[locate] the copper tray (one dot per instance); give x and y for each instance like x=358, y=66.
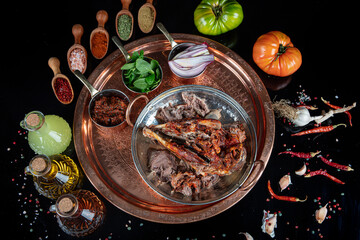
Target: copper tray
x=105, y=156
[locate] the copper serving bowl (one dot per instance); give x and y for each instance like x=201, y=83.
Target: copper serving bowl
x=231, y=112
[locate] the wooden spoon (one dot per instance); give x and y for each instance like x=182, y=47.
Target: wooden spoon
x=77, y=31
x=101, y=17
x=140, y=20
x=125, y=10
x=54, y=64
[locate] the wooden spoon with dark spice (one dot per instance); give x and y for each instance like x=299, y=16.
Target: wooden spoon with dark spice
x=123, y=22
x=99, y=37
x=60, y=83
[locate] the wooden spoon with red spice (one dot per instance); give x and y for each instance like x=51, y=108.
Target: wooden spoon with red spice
x=60, y=83
x=99, y=38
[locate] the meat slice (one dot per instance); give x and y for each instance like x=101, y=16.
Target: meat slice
x=186, y=183
x=209, y=180
x=162, y=163
x=196, y=103
x=194, y=107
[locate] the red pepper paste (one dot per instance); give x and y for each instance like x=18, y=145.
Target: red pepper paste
x=109, y=111
x=63, y=90
x=99, y=45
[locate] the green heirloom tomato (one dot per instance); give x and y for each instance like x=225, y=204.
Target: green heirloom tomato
x=215, y=17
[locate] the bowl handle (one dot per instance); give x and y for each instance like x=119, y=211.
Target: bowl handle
x=128, y=109
x=254, y=176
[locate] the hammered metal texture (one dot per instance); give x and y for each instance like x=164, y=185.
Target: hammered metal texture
x=105, y=155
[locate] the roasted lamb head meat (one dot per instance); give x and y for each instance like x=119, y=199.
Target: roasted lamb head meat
x=202, y=143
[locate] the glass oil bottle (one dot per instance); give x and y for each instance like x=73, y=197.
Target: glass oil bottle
x=48, y=134
x=79, y=213
x=54, y=175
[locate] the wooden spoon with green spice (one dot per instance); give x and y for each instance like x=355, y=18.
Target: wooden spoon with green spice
x=124, y=21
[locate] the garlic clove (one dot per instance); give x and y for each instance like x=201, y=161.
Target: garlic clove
x=269, y=223
x=320, y=214
x=284, y=182
x=301, y=171
x=247, y=235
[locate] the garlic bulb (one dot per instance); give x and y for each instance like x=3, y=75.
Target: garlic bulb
x=300, y=116
x=303, y=117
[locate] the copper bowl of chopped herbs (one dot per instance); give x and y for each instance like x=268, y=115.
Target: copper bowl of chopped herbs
x=141, y=74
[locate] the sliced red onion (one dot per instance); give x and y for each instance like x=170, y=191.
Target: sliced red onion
x=193, y=50
x=194, y=53
x=188, y=72
x=192, y=61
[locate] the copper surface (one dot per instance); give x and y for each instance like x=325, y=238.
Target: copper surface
x=105, y=156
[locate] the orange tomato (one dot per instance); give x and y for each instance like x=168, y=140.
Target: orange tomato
x=274, y=53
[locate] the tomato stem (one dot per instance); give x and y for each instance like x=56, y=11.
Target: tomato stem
x=282, y=49
x=217, y=10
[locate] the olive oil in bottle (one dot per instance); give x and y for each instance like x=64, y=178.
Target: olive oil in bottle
x=54, y=175
x=79, y=213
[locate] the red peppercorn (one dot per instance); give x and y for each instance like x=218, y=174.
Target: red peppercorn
x=63, y=90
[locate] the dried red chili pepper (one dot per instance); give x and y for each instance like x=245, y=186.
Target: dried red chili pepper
x=335, y=165
x=301, y=154
x=324, y=173
x=318, y=130
x=337, y=107
x=283, y=198
x=306, y=106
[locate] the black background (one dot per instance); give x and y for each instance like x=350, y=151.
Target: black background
x=324, y=32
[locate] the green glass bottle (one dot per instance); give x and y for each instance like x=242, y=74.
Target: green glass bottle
x=48, y=134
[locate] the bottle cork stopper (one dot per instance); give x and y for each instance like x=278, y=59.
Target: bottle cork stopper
x=38, y=164
x=32, y=120
x=65, y=205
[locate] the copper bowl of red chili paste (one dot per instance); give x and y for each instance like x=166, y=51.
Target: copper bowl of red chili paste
x=108, y=108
